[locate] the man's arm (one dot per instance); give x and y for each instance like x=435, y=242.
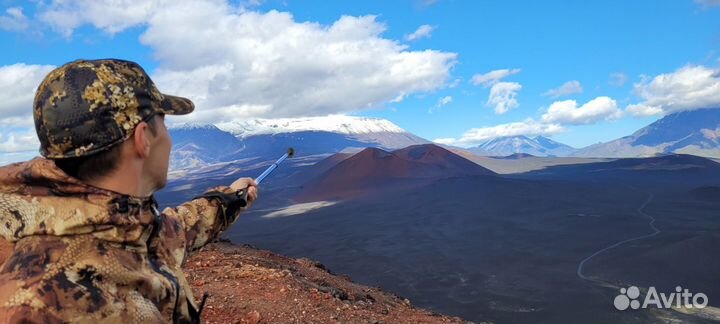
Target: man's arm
x=205, y=217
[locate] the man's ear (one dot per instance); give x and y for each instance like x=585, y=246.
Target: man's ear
x=141, y=140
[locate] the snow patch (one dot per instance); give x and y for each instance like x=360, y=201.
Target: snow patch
x=299, y=209
x=192, y=126
x=333, y=123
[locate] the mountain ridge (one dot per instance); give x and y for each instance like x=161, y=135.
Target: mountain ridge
x=341, y=124
x=695, y=132
x=198, y=145
x=521, y=144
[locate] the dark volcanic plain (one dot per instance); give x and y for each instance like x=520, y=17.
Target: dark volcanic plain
x=499, y=248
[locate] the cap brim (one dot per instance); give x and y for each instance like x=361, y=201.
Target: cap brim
x=173, y=105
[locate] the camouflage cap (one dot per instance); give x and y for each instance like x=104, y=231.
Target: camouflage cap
x=88, y=106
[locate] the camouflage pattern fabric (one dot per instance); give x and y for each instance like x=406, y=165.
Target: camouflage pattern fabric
x=85, y=107
x=87, y=255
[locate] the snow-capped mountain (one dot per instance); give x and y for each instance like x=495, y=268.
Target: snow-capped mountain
x=196, y=145
x=340, y=124
x=694, y=132
x=265, y=139
x=319, y=135
x=537, y=146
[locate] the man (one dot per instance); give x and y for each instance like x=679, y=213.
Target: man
x=89, y=245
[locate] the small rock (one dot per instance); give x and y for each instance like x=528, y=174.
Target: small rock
x=254, y=317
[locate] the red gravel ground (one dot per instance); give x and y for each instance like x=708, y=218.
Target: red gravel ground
x=252, y=286
x=247, y=285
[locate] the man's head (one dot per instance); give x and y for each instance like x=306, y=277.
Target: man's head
x=103, y=117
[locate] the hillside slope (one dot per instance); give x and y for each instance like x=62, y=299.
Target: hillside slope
x=694, y=132
x=248, y=285
x=373, y=168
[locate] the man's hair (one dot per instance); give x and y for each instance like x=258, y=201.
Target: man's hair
x=98, y=165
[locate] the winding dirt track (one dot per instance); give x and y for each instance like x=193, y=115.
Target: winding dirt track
x=641, y=212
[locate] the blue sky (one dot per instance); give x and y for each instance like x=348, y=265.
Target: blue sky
x=614, y=50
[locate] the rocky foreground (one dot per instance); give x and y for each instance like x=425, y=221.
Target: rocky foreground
x=248, y=285
x=251, y=286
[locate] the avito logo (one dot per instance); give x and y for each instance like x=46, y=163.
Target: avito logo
x=630, y=298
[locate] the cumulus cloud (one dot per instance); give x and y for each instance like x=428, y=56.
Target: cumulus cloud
x=424, y=31
x=19, y=141
x=292, y=69
x=567, y=112
x=567, y=88
x=528, y=127
x=18, y=83
x=503, y=95
x=490, y=78
x=14, y=20
x=441, y=103
x=618, y=79
x=18, y=144
x=688, y=88
x=553, y=121
x=111, y=16
x=238, y=64
x=641, y=110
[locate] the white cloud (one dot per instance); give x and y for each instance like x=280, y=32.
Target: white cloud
x=688, y=88
x=641, y=110
x=445, y=100
x=708, y=3
x=711, y=134
x=560, y=114
x=18, y=83
x=445, y=141
x=618, y=79
x=567, y=88
x=238, y=64
x=427, y=3
x=441, y=103
x=293, y=69
x=253, y=3
x=245, y=64
x=503, y=96
x=568, y=112
x=424, y=31
x=19, y=141
x=14, y=20
x=490, y=78
x=528, y=127
x=112, y=16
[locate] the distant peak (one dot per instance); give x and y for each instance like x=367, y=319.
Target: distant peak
x=374, y=152
x=517, y=156
x=193, y=126
x=424, y=148
x=333, y=123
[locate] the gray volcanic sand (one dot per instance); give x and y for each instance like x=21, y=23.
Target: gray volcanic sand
x=507, y=250
x=504, y=249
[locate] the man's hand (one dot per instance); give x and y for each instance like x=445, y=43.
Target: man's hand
x=251, y=186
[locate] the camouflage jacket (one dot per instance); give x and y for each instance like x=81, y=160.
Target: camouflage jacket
x=87, y=255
